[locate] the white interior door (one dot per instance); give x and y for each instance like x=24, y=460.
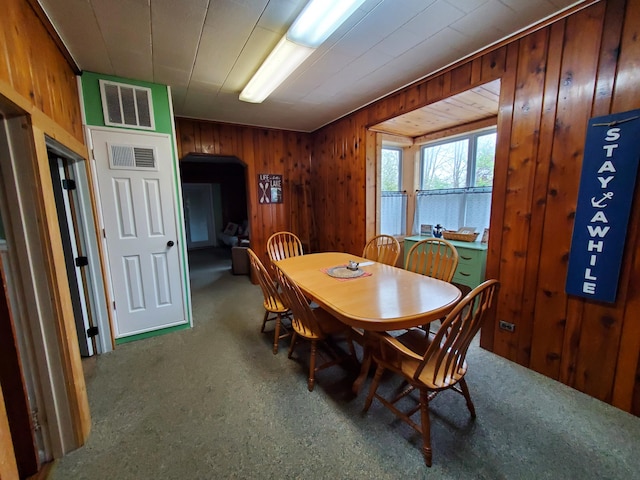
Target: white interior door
x=138, y=203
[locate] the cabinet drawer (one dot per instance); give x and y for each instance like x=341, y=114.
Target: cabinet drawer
x=471, y=277
x=471, y=266
x=470, y=257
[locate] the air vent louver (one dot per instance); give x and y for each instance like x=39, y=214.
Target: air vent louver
x=126, y=105
x=127, y=157
x=144, y=157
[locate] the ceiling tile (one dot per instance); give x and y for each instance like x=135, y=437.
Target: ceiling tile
x=78, y=27
x=206, y=50
x=279, y=15
x=469, y=6
x=433, y=19
x=176, y=29
x=257, y=48
x=171, y=76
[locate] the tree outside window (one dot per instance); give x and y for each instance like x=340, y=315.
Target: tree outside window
x=393, y=201
x=390, y=169
x=456, y=181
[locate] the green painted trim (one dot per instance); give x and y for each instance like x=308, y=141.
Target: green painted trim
x=93, y=102
x=155, y=333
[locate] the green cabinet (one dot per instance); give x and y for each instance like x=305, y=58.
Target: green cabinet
x=472, y=258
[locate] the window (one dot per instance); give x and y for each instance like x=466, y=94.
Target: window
x=393, y=201
x=456, y=177
x=391, y=169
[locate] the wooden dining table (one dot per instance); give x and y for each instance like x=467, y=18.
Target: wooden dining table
x=384, y=298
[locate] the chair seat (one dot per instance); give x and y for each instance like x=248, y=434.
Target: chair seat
x=431, y=363
x=275, y=305
x=418, y=340
x=314, y=324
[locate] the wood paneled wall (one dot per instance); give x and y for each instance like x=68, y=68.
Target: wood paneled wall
x=263, y=151
x=32, y=64
x=38, y=85
x=552, y=81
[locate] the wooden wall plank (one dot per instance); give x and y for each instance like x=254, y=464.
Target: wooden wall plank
x=626, y=391
x=461, y=78
x=527, y=111
x=545, y=333
x=547, y=96
x=493, y=64
x=580, y=60
x=36, y=69
x=262, y=150
x=500, y=182
x=601, y=328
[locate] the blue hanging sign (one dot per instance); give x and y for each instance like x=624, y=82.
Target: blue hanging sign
x=609, y=168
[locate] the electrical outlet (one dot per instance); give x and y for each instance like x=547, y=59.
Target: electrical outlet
x=509, y=327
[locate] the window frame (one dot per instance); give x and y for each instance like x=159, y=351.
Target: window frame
x=472, y=149
x=470, y=188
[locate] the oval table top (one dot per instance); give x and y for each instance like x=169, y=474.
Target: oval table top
x=384, y=298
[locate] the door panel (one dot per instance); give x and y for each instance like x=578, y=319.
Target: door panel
x=137, y=199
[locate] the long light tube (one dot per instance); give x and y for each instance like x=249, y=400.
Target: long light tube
x=280, y=63
x=318, y=20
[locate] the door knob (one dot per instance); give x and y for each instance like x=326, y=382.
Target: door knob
x=170, y=243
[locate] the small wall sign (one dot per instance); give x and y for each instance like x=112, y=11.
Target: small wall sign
x=269, y=188
x=609, y=169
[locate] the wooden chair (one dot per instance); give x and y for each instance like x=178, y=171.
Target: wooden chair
x=433, y=257
x=274, y=304
x=283, y=245
x=383, y=249
x=313, y=324
x=432, y=363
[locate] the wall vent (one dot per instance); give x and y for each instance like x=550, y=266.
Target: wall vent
x=126, y=105
x=129, y=157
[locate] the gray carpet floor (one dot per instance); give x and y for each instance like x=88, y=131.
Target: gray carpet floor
x=213, y=402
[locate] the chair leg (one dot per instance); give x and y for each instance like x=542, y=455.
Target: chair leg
x=294, y=337
x=264, y=320
x=352, y=348
x=312, y=366
x=374, y=387
x=467, y=396
x=426, y=426
x=276, y=335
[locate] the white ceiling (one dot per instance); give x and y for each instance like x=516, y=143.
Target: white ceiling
x=207, y=50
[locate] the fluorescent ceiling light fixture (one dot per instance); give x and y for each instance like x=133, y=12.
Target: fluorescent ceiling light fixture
x=280, y=63
x=319, y=19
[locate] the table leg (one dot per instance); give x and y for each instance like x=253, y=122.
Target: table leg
x=364, y=370
x=369, y=342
